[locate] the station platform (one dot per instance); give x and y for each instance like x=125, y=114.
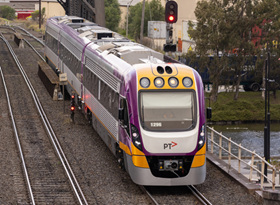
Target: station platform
x=264, y=195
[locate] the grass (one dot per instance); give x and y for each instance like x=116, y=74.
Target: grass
x=29, y=24
x=249, y=107
x=4, y=21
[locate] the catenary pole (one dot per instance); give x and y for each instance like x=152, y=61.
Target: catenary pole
x=100, y=12
x=40, y=17
x=128, y=5
x=142, y=22
x=265, y=127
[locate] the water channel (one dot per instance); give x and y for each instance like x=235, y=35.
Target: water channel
x=251, y=136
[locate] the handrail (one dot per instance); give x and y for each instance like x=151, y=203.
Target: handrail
x=230, y=143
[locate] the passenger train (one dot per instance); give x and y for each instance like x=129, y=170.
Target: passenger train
x=150, y=114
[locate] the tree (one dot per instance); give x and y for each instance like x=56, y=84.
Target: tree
x=211, y=37
x=35, y=15
x=112, y=14
x=7, y=12
x=267, y=39
x=154, y=11
x=240, y=21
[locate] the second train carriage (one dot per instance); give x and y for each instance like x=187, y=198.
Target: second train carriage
x=149, y=113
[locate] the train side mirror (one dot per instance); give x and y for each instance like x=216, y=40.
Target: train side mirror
x=209, y=113
x=121, y=114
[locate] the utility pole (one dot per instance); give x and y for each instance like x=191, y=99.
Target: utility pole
x=40, y=14
x=99, y=12
x=267, y=113
x=128, y=5
x=142, y=22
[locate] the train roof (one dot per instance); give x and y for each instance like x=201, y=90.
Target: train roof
x=110, y=42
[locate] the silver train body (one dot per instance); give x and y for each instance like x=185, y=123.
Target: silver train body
x=149, y=113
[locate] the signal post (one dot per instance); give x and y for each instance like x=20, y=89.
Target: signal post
x=171, y=16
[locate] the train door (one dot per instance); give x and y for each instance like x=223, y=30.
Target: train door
x=124, y=119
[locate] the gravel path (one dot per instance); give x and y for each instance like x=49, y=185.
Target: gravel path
x=94, y=165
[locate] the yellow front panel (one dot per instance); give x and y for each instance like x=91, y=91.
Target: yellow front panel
x=136, y=151
x=140, y=161
x=125, y=148
x=202, y=150
x=198, y=160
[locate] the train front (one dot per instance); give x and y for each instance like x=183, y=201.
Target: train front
x=167, y=126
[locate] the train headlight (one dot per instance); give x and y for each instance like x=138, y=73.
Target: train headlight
x=136, y=137
x=145, y=82
x=187, y=82
x=159, y=82
x=173, y=82
x=201, y=137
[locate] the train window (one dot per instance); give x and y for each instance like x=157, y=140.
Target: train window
x=125, y=121
x=160, y=112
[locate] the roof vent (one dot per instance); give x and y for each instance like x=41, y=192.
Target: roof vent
x=77, y=20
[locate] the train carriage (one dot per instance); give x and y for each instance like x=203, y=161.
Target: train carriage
x=149, y=113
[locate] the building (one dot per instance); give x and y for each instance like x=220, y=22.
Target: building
x=53, y=8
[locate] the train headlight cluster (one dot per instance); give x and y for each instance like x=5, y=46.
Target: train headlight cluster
x=145, y=82
x=136, y=137
x=187, y=82
x=201, y=137
x=173, y=82
x=159, y=82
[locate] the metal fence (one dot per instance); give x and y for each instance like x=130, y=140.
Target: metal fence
x=225, y=144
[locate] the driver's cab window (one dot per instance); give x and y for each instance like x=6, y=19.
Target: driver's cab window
x=125, y=121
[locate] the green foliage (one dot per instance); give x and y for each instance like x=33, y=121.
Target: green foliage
x=237, y=32
x=7, y=12
x=250, y=107
x=35, y=15
x=112, y=14
x=154, y=11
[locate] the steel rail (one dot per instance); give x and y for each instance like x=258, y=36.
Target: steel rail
x=148, y=193
x=29, y=34
x=50, y=131
x=198, y=195
x=34, y=50
x=18, y=142
x=8, y=27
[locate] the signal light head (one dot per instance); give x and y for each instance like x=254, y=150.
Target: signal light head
x=171, y=12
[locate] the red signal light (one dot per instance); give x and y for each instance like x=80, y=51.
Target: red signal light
x=171, y=18
x=73, y=96
x=72, y=108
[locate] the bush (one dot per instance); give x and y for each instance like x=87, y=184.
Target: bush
x=7, y=12
x=35, y=15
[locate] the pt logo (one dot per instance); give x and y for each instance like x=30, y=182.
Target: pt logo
x=169, y=145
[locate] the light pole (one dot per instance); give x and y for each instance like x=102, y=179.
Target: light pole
x=142, y=22
x=128, y=5
x=267, y=114
x=40, y=14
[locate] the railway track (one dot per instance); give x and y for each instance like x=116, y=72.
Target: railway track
x=186, y=199
x=198, y=195
x=48, y=175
